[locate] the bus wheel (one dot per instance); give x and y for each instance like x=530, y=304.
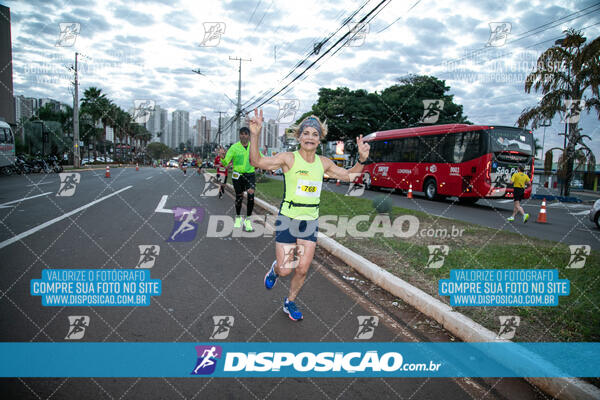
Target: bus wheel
x=430, y=189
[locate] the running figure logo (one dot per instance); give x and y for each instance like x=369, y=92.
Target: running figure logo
x=579, y=253
x=499, y=32
x=508, y=326
x=68, y=183
x=355, y=189
x=77, y=325
x=573, y=110
x=431, y=111
x=287, y=110
x=211, y=185
x=186, y=224
x=148, y=255
x=142, y=110
x=212, y=34
x=500, y=182
x=358, y=34
x=207, y=359
x=292, y=254
x=68, y=34
x=437, y=255
x=223, y=324
x=366, y=326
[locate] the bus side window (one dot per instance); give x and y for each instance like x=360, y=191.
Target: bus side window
x=375, y=152
x=397, y=150
x=387, y=152
x=459, y=147
x=445, y=148
x=410, y=152
x=473, y=145
x=428, y=150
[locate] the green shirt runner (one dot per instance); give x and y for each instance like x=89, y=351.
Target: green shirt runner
x=240, y=157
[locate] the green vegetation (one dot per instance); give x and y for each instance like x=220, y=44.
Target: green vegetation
x=576, y=318
x=350, y=113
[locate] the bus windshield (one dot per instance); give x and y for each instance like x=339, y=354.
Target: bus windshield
x=511, y=139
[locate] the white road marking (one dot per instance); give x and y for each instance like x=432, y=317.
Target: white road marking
x=52, y=221
x=148, y=177
x=505, y=201
x=584, y=212
x=23, y=199
x=563, y=205
x=161, y=206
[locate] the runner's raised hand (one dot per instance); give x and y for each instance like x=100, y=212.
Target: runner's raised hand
x=256, y=122
x=363, y=149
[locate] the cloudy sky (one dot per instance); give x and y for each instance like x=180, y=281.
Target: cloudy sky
x=147, y=50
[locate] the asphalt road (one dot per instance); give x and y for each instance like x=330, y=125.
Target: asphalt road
x=202, y=278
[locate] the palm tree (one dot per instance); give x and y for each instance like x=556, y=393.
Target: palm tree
x=94, y=104
x=565, y=72
x=122, y=122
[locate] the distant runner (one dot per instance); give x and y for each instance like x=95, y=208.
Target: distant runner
x=520, y=181
x=221, y=170
x=297, y=222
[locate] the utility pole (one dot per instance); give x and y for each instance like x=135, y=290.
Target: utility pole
x=219, y=129
x=238, y=113
x=76, y=158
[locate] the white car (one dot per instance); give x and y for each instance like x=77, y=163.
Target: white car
x=173, y=163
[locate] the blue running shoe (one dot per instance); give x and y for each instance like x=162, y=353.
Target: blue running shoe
x=271, y=277
x=289, y=307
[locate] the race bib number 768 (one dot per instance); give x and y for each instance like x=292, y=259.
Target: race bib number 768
x=308, y=188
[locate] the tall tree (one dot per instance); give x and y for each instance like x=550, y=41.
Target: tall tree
x=95, y=105
x=565, y=73
x=350, y=113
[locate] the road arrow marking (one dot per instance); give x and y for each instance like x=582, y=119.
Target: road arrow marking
x=160, y=208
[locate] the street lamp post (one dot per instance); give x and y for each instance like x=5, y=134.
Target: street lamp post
x=545, y=124
x=76, y=155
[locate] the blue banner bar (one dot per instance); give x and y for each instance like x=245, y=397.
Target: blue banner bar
x=325, y=360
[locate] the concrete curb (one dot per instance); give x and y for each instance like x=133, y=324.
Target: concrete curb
x=459, y=325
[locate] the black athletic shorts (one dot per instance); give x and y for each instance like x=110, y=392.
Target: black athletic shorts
x=518, y=194
x=222, y=178
x=243, y=182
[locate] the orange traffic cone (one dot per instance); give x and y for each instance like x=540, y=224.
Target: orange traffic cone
x=542, y=215
x=137, y=168
x=337, y=183
x=409, y=195
x=107, y=172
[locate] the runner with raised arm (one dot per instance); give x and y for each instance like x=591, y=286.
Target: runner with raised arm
x=297, y=222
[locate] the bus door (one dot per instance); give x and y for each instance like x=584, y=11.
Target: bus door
x=381, y=174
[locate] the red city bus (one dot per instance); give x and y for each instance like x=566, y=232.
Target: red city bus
x=466, y=161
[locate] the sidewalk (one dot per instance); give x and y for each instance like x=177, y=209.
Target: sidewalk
x=542, y=192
